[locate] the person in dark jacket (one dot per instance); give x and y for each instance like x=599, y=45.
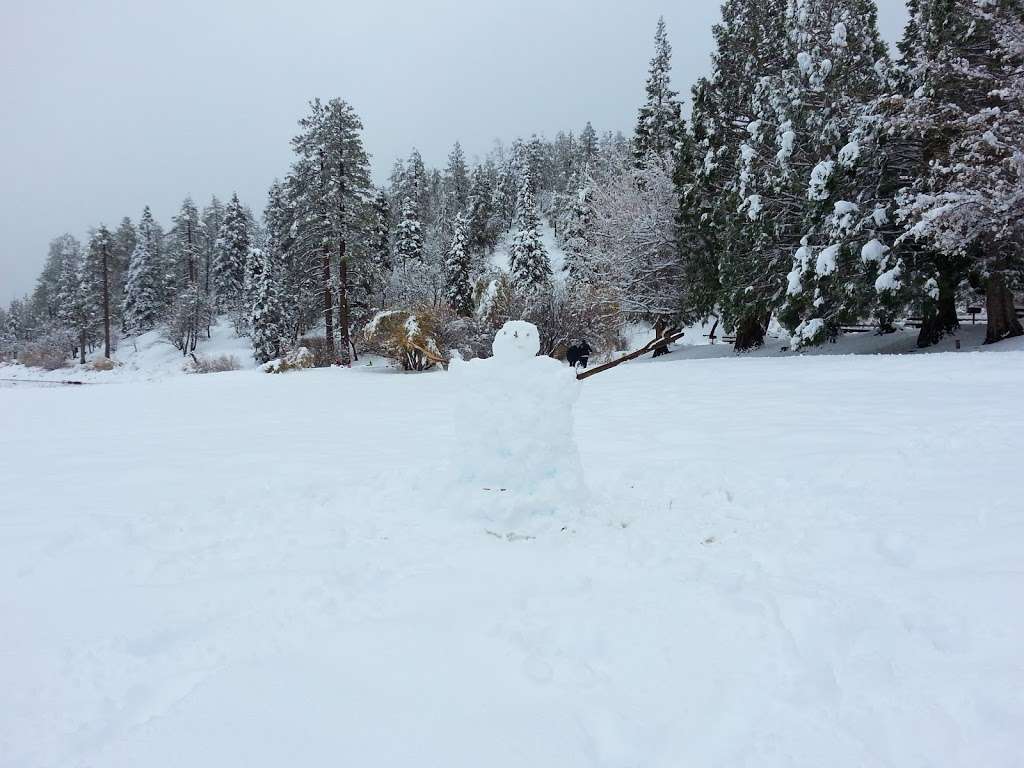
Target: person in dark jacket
x=578, y=354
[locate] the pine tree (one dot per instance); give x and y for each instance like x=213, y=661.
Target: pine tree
x=230, y=254
x=660, y=123
x=457, y=180
x=266, y=318
x=577, y=228
x=457, y=270
x=528, y=259
x=19, y=321
x=187, y=246
x=74, y=313
x=299, y=280
x=46, y=296
x=416, y=185
x=962, y=104
x=334, y=179
x=212, y=220
x=8, y=338
x=587, y=145
x=141, y=304
x=565, y=161
x=535, y=167
x=506, y=190
x=96, y=280
x=482, y=235
x=188, y=315
x=753, y=45
x=810, y=173
x=125, y=238
x=409, y=239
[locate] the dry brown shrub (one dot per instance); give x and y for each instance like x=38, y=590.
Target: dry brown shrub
x=218, y=364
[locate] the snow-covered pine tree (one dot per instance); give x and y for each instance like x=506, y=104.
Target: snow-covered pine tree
x=458, y=265
x=528, y=258
x=565, y=160
x=536, y=167
x=335, y=186
x=211, y=219
x=587, y=145
x=266, y=314
x=579, y=219
x=8, y=338
x=416, y=185
x=506, y=189
x=230, y=254
x=20, y=322
x=378, y=272
x=963, y=67
x=125, y=237
x=660, y=124
x=96, y=279
x=815, y=166
x=752, y=43
x=187, y=246
x=482, y=230
x=45, y=302
x=141, y=305
x=301, y=301
x=409, y=238
x=456, y=180
x=189, y=314
x=75, y=311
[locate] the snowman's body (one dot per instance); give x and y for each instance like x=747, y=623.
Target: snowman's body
x=516, y=453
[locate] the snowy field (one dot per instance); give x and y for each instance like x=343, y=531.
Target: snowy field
x=809, y=561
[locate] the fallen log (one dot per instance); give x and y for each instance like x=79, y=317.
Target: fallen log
x=46, y=381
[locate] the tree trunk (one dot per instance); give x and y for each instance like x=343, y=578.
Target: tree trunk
x=343, y=319
x=1002, y=315
x=938, y=317
x=81, y=347
x=328, y=302
x=750, y=332
x=662, y=330
x=106, y=304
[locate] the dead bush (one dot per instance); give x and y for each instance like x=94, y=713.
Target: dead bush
x=218, y=364
x=49, y=352
x=296, y=360
x=323, y=356
x=408, y=336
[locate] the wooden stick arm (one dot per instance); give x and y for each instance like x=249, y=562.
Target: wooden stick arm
x=650, y=346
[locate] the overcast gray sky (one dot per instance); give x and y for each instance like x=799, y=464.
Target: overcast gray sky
x=109, y=105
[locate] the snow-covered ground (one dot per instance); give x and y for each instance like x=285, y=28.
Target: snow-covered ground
x=792, y=561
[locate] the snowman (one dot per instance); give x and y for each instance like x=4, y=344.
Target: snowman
x=515, y=454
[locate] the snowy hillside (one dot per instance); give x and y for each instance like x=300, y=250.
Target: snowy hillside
x=784, y=562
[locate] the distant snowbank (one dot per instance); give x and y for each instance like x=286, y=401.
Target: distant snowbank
x=146, y=357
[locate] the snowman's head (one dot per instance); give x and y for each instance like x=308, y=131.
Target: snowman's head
x=517, y=340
